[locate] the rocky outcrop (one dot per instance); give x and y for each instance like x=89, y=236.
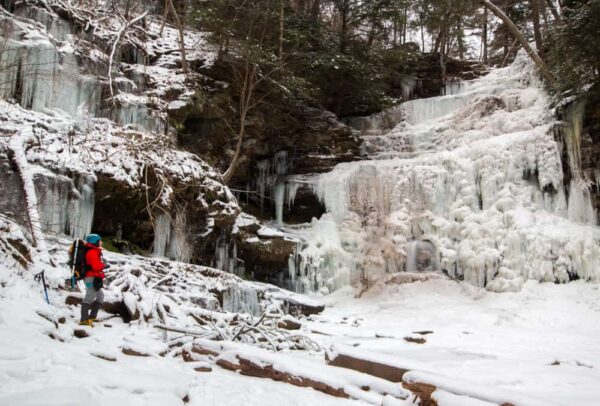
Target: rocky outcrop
x=429, y=74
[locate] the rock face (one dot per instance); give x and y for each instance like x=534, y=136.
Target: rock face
x=287, y=136
x=428, y=72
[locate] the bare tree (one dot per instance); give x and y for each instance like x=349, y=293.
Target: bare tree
x=250, y=77
x=180, y=28
x=546, y=73
x=115, y=46
x=484, y=35
x=535, y=17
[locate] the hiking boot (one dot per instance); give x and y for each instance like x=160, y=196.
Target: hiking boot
x=85, y=313
x=88, y=322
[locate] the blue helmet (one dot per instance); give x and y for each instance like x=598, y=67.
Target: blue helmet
x=93, y=239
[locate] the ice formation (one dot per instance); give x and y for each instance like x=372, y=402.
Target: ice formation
x=52, y=80
x=171, y=238
x=65, y=207
x=474, y=178
x=226, y=256
x=271, y=183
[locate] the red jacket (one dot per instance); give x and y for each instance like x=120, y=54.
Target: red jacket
x=93, y=259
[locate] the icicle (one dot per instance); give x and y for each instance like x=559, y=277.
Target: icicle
x=179, y=247
x=162, y=235
x=279, y=197
x=572, y=137
x=580, y=203
x=292, y=189
x=271, y=182
x=411, y=256
x=241, y=299
x=408, y=84
x=171, y=238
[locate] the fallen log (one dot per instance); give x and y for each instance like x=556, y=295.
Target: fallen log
x=422, y=391
x=420, y=378
x=334, y=381
x=381, y=365
x=247, y=367
x=380, y=370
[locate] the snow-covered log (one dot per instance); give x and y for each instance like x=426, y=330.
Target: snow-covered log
x=334, y=381
x=18, y=144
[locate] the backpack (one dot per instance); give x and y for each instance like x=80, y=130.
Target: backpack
x=77, y=260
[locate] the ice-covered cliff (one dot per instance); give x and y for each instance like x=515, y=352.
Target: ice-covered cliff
x=470, y=184
x=88, y=92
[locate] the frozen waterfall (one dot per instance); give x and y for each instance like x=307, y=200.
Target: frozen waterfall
x=172, y=237
x=469, y=183
x=65, y=206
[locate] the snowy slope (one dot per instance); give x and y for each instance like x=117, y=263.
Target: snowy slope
x=42, y=362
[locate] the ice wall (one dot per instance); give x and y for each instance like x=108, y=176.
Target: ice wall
x=241, y=299
x=172, y=237
x=477, y=174
x=41, y=71
x=65, y=206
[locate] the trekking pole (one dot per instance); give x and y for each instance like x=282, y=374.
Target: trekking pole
x=41, y=278
x=74, y=261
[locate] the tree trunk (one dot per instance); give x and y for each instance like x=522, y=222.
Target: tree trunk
x=281, y=21
x=535, y=16
x=522, y=40
x=316, y=10
x=17, y=145
x=404, y=24
x=484, y=35
x=344, y=25
x=180, y=28
x=422, y=33
x=460, y=42
x=554, y=11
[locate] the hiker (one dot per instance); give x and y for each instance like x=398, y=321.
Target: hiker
x=94, y=277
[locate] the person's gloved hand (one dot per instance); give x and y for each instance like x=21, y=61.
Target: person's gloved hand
x=98, y=283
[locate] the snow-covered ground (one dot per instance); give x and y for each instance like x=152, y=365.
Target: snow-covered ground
x=36, y=370
x=539, y=345
x=534, y=347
